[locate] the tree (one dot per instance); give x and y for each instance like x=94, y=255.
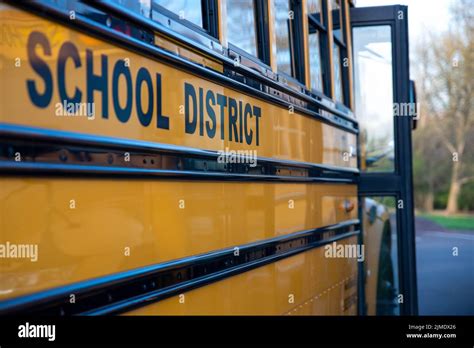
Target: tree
x=447, y=92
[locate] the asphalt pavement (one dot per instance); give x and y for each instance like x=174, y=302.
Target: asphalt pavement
x=445, y=280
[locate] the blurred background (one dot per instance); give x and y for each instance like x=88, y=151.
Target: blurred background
x=442, y=65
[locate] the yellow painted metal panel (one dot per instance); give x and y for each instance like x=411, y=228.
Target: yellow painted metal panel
x=182, y=51
x=281, y=134
x=164, y=220
x=299, y=285
x=145, y=216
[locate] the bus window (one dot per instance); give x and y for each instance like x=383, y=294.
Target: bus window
x=317, y=46
x=337, y=19
x=374, y=95
x=337, y=73
x=241, y=25
x=287, y=29
x=190, y=10
x=141, y=7
x=381, y=263
x=339, y=51
x=315, y=66
x=283, y=34
x=314, y=8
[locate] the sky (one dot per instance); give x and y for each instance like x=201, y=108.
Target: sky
x=423, y=15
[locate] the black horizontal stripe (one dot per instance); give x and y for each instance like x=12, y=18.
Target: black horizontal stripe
x=128, y=290
x=238, y=78
x=29, y=150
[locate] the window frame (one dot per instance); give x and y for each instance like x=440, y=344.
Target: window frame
x=344, y=54
x=210, y=18
x=315, y=24
x=296, y=47
x=313, y=30
x=262, y=35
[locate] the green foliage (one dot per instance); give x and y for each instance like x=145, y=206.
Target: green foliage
x=387, y=201
x=453, y=222
x=466, y=198
x=441, y=200
x=444, y=71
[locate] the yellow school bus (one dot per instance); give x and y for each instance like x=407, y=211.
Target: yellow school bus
x=205, y=157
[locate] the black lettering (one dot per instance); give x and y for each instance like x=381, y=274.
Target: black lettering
x=248, y=135
x=233, y=119
x=41, y=68
x=97, y=82
x=201, y=112
x=190, y=125
x=222, y=101
x=162, y=121
x=68, y=50
x=257, y=114
x=211, y=131
x=121, y=69
x=240, y=122
x=144, y=76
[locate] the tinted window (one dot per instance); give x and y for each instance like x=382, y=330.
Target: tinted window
x=190, y=10
x=283, y=34
x=373, y=77
x=337, y=73
x=241, y=25
x=382, y=282
x=141, y=7
x=315, y=65
x=336, y=18
x=313, y=6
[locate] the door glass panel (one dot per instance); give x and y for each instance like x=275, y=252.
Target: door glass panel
x=373, y=74
x=381, y=256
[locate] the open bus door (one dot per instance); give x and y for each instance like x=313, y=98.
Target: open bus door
x=385, y=108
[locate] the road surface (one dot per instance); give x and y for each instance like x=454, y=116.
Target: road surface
x=445, y=281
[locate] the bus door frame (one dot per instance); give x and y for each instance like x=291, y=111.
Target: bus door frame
x=399, y=183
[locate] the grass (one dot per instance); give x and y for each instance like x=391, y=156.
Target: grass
x=452, y=222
